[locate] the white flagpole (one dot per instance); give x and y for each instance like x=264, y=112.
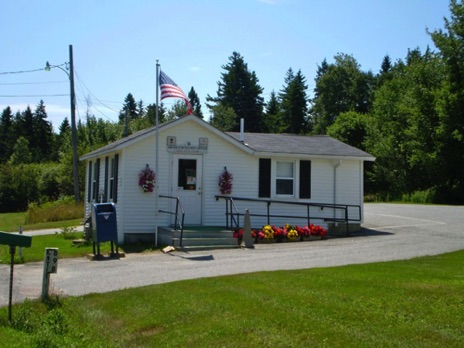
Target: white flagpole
x=157, y=155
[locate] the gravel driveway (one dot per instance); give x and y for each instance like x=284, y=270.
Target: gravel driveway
x=390, y=232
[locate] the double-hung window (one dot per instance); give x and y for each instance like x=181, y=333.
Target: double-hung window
x=285, y=178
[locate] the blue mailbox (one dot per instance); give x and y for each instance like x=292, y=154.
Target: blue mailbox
x=104, y=223
x=104, y=228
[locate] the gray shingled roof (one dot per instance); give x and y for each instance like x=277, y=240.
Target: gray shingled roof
x=318, y=145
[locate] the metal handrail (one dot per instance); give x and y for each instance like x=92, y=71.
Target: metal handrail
x=234, y=214
x=230, y=201
x=177, y=220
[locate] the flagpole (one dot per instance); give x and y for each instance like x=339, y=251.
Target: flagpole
x=157, y=154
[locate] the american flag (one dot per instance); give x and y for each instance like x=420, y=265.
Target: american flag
x=169, y=89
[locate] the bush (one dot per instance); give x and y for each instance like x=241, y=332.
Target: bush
x=62, y=209
x=70, y=233
x=426, y=196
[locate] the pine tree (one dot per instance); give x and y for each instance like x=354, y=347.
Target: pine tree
x=129, y=109
x=42, y=139
x=6, y=135
x=294, y=104
x=272, y=119
x=195, y=102
x=239, y=90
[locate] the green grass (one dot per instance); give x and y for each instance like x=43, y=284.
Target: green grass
x=10, y=222
x=413, y=303
x=66, y=248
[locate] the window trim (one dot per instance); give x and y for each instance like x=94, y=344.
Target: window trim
x=275, y=178
x=302, y=178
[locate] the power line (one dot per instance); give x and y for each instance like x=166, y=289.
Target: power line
x=21, y=71
x=83, y=84
x=32, y=95
x=28, y=83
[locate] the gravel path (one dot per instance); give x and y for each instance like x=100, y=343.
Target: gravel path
x=391, y=232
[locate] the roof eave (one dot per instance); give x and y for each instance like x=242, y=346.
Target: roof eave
x=300, y=155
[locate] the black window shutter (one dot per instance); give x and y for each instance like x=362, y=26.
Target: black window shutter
x=89, y=183
x=305, y=179
x=264, y=178
x=107, y=160
x=115, y=179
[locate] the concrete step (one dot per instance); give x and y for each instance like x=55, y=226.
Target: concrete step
x=204, y=241
x=203, y=234
x=206, y=247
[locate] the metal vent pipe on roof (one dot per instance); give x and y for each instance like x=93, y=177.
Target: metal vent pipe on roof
x=242, y=130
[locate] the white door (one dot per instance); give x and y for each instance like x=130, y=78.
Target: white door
x=187, y=182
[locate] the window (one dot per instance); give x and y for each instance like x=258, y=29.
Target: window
x=290, y=178
x=95, y=179
x=111, y=179
x=284, y=178
x=187, y=175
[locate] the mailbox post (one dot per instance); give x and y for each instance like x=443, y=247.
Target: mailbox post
x=50, y=266
x=13, y=240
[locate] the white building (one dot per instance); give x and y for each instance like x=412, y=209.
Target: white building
x=280, y=168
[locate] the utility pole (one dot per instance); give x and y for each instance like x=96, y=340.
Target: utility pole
x=70, y=74
x=73, y=128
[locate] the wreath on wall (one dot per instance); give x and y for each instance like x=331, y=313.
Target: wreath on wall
x=147, y=179
x=225, y=182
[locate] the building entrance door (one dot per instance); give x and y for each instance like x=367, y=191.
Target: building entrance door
x=187, y=186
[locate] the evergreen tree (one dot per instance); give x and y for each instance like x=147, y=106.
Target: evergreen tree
x=151, y=114
x=64, y=127
x=24, y=124
x=385, y=71
x=239, y=90
x=140, y=109
x=294, y=104
x=129, y=109
x=272, y=120
x=6, y=135
x=42, y=141
x=195, y=102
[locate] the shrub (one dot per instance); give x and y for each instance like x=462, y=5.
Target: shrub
x=62, y=209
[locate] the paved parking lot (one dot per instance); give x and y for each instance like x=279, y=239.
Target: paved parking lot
x=390, y=232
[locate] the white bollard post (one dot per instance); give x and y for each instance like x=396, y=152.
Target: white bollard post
x=247, y=240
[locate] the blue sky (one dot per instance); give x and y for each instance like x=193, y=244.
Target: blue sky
x=116, y=44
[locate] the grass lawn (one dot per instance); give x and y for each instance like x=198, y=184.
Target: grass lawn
x=66, y=248
x=412, y=303
x=10, y=222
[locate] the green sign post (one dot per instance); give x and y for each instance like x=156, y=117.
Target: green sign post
x=13, y=240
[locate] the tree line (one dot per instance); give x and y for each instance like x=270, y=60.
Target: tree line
x=409, y=115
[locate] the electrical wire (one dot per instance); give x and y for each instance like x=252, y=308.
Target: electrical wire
x=21, y=71
x=83, y=84
x=32, y=95
x=29, y=83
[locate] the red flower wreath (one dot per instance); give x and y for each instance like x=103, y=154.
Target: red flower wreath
x=147, y=179
x=225, y=182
